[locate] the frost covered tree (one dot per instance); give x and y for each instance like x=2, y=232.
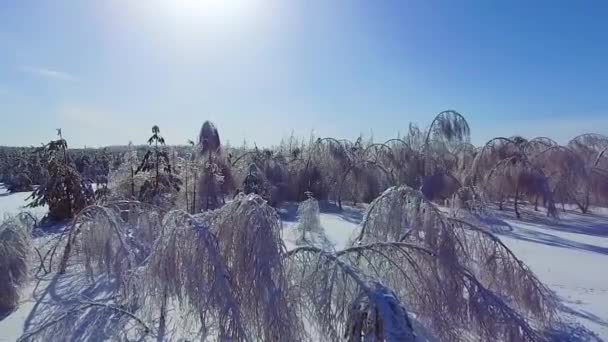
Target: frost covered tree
x=162, y=185
x=224, y=269
x=124, y=182
x=503, y=170
x=463, y=280
x=310, y=231
x=64, y=190
x=190, y=165
x=15, y=249
x=448, y=129
x=19, y=177
x=216, y=178
x=593, y=188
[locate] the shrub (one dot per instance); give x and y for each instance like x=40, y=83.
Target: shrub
x=14, y=256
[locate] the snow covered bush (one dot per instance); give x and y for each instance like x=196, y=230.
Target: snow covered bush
x=15, y=250
x=309, y=226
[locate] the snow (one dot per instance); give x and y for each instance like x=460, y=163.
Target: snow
x=339, y=225
x=16, y=202
x=571, y=257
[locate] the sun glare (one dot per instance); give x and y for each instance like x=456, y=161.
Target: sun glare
x=213, y=9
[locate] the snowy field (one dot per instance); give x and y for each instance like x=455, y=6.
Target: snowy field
x=569, y=255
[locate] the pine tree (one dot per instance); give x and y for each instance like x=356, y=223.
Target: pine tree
x=165, y=184
x=64, y=191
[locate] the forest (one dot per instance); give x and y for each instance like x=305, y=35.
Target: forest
x=187, y=236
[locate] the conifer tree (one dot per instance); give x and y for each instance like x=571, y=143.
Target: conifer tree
x=64, y=190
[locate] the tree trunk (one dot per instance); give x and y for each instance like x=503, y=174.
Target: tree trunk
x=132, y=183
x=586, y=205
x=515, y=204
x=187, y=203
x=68, y=197
x=536, y=203
x=194, y=192
x=163, y=319
x=157, y=159
x=209, y=184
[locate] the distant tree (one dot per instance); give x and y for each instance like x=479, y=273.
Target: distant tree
x=504, y=170
x=209, y=139
x=19, y=177
x=449, y=128
x=593, y=187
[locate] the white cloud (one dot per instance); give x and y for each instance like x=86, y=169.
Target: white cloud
x=48, y=73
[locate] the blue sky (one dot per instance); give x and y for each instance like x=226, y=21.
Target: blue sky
x=106, y=71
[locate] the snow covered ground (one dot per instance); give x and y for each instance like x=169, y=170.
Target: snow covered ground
x=569, y=255
x=15, y=203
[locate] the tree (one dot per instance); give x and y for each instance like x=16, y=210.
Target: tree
x=309, y=226
x=593, y=188
x=216, y=178
x=164, y=184
x=503, y=169
x=19, y=178
x=447, y=129
x=123, y=182
x=64, y=191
